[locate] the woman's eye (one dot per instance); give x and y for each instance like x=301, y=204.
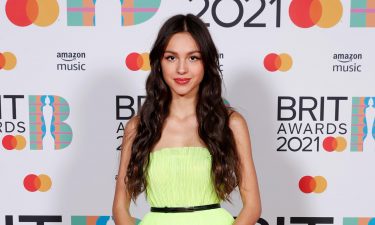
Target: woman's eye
x=170, y=58
x=194, y=58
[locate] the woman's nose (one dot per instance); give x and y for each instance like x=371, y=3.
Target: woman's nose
x=182, y=67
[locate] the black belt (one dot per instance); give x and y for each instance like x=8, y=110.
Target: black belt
x=184, y=209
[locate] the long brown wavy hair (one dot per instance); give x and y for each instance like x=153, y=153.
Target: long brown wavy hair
x=211, y=112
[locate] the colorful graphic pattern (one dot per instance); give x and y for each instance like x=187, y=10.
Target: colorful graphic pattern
x=93, y=220
x=362, y=13
x=81, y=12
x=60, y=131
x=359, y=123
x=134, y=12
x=358, y=221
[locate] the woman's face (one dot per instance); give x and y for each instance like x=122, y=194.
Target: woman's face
x=182, y=65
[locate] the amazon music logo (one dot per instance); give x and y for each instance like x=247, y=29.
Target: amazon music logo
x=347, y=62
x=71, y=61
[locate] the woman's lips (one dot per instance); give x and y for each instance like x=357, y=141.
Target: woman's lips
x=182, y=80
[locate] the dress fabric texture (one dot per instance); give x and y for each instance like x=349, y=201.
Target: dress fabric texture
x=181, y=177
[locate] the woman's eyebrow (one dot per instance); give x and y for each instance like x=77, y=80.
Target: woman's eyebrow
x=173, y=52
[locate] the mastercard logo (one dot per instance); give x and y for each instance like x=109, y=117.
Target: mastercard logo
x=7, y=61
x=25, y=12
x=309, y=184
x=337, y=144
x=323, y=13
x=34, y=183
x=11, y=142
x=273, y=62
x=135, y=61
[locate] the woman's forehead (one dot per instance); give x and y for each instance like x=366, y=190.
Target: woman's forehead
x=182, y=43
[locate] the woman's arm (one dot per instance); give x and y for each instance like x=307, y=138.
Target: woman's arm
x=121, y=202
x=248, y=187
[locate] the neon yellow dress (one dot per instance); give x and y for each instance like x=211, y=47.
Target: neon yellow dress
x=180, y=177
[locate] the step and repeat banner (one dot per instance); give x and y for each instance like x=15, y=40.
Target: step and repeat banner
x=302, y=73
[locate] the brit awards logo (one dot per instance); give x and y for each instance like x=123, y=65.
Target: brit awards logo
x=46, y=117
x=47, y=128
x=309, y=124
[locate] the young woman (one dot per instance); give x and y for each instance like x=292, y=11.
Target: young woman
x=185, y=148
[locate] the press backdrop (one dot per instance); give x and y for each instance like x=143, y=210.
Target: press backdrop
x=301, y=72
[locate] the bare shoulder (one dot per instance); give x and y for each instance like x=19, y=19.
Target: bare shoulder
x=241, y=135
x=132, y=123
x=236, y=120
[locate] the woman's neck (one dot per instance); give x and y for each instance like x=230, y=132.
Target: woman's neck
x=182, y=107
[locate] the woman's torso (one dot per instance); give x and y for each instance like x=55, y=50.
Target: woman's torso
x=181, y=177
